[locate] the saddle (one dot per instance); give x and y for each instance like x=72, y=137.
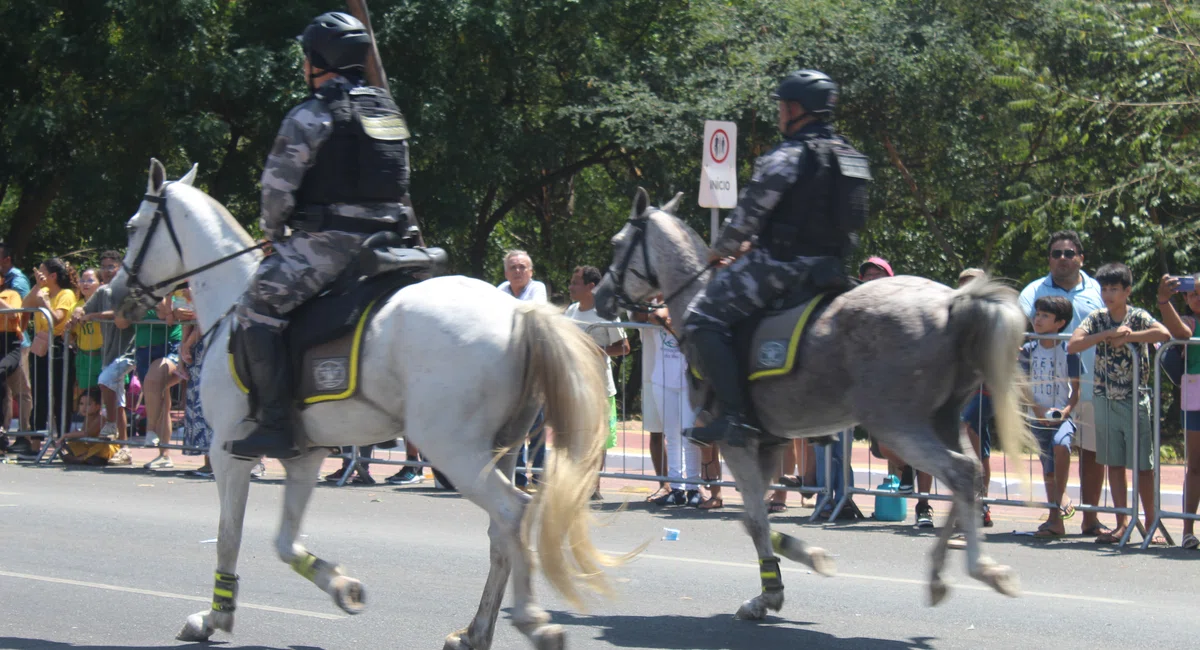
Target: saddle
x=324, y=335
x=768, y=342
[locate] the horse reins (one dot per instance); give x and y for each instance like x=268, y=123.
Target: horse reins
x=651, y=277
x=163, y=215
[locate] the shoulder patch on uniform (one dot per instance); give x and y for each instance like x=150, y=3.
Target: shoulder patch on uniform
x=387, y=127
x=853, y=164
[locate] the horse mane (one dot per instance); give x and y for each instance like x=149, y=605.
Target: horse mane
x=222, y=214
x=689, y=243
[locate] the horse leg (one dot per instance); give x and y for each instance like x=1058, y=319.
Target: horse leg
x=783, y=544
x=478, y=635
x=302, y=471
x=752, y=469
x=937, y=586
x=233, y=487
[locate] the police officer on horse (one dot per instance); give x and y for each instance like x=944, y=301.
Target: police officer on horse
x=800, y=212
x=337, y=173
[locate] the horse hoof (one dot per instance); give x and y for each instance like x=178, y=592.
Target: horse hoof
x=751, y=610
x=457, y=641
x=349, y=594
x=530, y=621
x=196, y=629
x=937, y=592
x=1003, y=579
x=822, y=562
x=549, y=637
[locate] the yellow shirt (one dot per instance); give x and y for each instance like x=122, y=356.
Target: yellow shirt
x=87, y=335
x=10, y=299
x=63, y=301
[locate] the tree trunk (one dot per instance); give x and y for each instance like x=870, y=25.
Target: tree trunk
x=36, y=198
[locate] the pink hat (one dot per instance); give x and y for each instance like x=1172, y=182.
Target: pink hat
x=876, y=261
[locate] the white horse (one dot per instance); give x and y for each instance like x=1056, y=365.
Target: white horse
x=452, y=364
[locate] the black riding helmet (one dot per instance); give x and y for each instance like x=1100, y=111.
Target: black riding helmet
x=336, y=41
x=813, y=90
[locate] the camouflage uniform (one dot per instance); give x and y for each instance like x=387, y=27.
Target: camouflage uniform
x=305, y=263
x=755, y=279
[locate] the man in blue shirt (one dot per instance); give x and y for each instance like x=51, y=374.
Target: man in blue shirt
x=13, y=276
x=1067, y=279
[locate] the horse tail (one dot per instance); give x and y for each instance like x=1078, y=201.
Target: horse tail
x=991, y=328
x=567, y=369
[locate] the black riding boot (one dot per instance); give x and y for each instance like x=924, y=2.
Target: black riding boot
x=719, y=365
x=271, y=387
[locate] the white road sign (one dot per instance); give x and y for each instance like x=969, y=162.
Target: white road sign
x=718, y=173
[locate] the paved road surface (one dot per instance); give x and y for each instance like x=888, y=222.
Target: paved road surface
x=107, y=559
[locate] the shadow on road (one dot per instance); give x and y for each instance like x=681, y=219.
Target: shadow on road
x=722, y=632
x=16, y=643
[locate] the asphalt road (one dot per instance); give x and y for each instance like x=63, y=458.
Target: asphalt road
x=106, y=559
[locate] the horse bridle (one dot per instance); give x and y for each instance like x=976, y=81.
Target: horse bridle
x=623, y=299
x=139, y=289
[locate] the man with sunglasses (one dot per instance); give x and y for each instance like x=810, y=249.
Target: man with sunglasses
x=1067, y=279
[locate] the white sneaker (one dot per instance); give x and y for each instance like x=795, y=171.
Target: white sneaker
x=258, y=470
x=109, y=431
x=162, y=462
x=122, y=457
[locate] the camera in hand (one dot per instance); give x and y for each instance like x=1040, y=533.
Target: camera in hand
x=1187, y=283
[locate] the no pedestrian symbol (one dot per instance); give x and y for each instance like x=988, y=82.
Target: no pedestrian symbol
x=718, y=171
x=718, y=146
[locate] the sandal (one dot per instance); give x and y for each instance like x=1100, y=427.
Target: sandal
x=776, y=507
x=662, y=491
x=1096, y=531
x=1066, y=508
x=1190, y=542
x=1107, y=538
x=712, y=503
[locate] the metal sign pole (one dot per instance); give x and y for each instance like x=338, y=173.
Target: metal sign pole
x=712, y=237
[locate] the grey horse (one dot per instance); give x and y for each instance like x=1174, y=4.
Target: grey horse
x=900, y=356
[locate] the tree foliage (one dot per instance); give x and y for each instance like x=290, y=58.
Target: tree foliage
x=988, y=125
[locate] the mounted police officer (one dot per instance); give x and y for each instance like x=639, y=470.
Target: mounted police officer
x=800, y=212
x=337, y=173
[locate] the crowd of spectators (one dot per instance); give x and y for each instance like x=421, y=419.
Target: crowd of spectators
x=112, y=380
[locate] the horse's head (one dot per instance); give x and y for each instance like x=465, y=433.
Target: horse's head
x=631, y=279
x=154, y=258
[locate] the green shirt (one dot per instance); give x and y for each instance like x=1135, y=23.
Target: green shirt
x=146, y=335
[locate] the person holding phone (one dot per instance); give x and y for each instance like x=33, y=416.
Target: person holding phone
x=1184, y=327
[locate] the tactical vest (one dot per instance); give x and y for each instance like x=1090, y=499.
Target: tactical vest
x=365, y=159
x=820, y=214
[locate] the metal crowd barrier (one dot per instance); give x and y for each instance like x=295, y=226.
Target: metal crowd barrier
x=137, y=442
x=46, y=433
x=1161, y=513
x=826, y=493
x=1131, y=511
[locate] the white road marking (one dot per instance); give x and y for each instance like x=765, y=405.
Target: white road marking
x=907, y=581
x=163, y=594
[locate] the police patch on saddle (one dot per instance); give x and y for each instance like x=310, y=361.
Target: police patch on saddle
x=325, y=371
x=776, y=339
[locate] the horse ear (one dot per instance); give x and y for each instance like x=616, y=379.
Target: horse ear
x=673, y=204
x=158, y=177
x=190, y=177
x=641, y=202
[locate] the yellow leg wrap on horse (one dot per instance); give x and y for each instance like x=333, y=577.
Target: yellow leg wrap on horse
x=224, y=592
x=309, y=565
x=776, y=541
x=769, y=572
